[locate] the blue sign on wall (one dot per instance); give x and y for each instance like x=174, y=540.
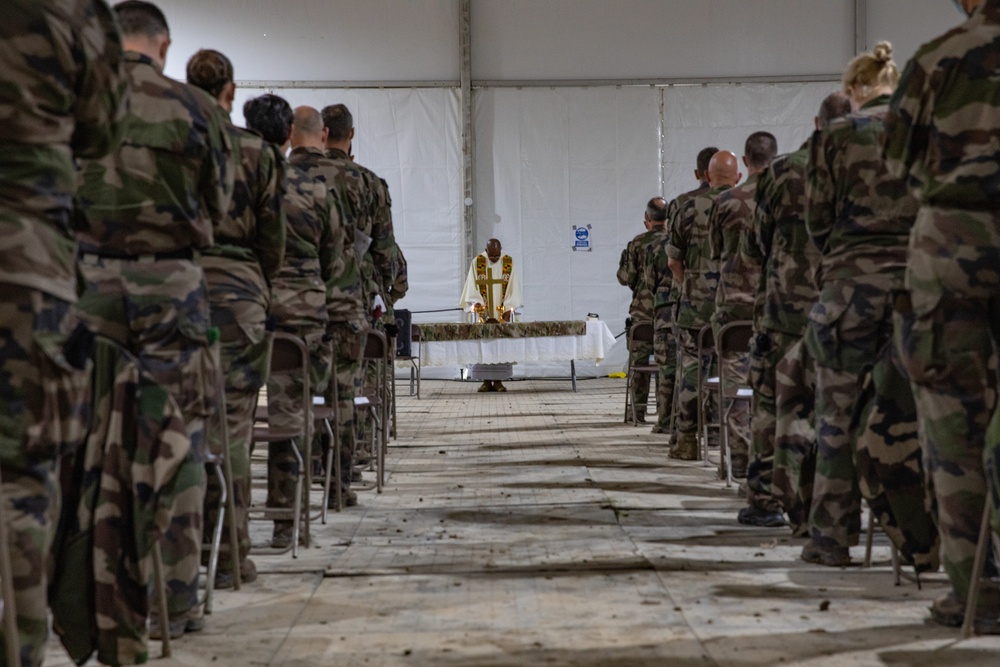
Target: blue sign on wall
x=581, y=238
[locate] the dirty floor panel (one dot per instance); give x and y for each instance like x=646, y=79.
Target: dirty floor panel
x=534, y=528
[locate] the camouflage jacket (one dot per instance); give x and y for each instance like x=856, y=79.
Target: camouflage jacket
x=345, y=185
x=857, y=214
x=729, y=222
x=169, y=183
x=372, y=215
x=254, y=230
x=779, y=240
x=630, y=274
x=690, y=243
x=941, y=130
x=314, y=254
x=671, y=295
x=656, y=274
x=62, y=96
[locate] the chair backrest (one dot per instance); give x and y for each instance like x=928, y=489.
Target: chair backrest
x=289, y=354
x=706, y=339
x=642, y=332
x=376, y=345
x=735, y=337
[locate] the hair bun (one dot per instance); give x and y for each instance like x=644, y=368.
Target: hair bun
x=882, y=52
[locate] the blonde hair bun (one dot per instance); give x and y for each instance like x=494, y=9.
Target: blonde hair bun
x=882, y=52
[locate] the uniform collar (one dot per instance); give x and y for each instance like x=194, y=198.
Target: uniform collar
x=881, y=100
x=136, y=57
x=337, y=154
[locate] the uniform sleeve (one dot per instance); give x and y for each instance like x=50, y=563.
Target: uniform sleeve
x=755, y=244
x=401, y=285
x=269, y=245
x=215, y=185
x=679, y=230
x=331, y=247
x=101, y=87
x=908, y=126
x=821, y=202
x=623, y=266
x=716, y=241
x=383, y=238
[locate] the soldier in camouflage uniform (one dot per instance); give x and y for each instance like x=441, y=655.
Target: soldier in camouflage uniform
x=62, y=93
x=782, y=434
x=346, y=312
x=630, y=274
x=940, y=138
x=659, y=281
x=860, y=218
x=691, y=262
x=374, y=242
x=146, y=210
x=300, y=296
x=729, y=221
x=248, y=251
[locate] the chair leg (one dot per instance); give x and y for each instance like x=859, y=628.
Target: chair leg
x=297, y=502
x=216, y=543
x=869, y=538
x=234, y=533
x=727, y=456
x=985, y=535
x=11, y=637
x=327, y=470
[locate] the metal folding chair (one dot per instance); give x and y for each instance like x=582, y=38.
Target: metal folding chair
x=705, y=342
x=978, y=565
x=290, y=356
x=639, y=332
x=373, y=403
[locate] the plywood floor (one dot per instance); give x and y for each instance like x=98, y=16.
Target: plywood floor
x=534, y=528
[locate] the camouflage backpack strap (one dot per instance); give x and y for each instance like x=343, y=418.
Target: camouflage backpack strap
x=507, y=266
x=481, y=271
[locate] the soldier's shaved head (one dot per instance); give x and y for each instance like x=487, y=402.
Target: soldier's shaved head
x=138, y=18
x=724, y=169
x=833, y=106
x=656, y=209
x=701, y=164
x=307, y=128
x=759, y=150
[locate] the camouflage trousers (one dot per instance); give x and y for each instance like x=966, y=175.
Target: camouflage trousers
x=638, y=355
x=794, y=435
x=948, y=331
x=766, y=349
x=238, y=301
x=687, y=402
x=159, y=311
x=44, y=411
x=347, y=373
x=284, y=403
x=665, y=356
x=889, y=460
x=847, y=330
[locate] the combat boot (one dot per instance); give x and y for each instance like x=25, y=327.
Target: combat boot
x=498, y=386
x=686, y=447
x=824, y=555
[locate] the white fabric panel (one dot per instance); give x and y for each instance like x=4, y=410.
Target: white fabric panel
x=724, y=116
x=551, y=159
x=319, y=40
x=629, y=39
x=909, y=23
x=593, y=346
x=411, y=138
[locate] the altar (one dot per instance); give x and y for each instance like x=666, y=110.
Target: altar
x=465, y=344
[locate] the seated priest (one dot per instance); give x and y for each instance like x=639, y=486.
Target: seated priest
x=492, y=291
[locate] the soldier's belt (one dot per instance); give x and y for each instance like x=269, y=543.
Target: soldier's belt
x=184, y=253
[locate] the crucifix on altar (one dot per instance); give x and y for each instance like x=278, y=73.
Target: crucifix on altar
x=492, y=291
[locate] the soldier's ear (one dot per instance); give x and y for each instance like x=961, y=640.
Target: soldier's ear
x=164, y=46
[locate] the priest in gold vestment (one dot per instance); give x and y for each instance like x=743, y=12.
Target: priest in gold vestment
x=492, y=291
